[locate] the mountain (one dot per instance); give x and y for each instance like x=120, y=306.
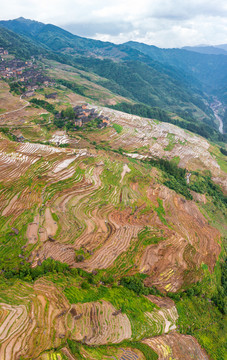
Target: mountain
x=152, y=80
x=210, y=70
x=174, y=80
x=222, y=46
x=18, y=45
x=58, y=39
x=215, y=50
x=112, y=225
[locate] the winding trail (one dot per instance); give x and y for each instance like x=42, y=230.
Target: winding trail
x=23, y=107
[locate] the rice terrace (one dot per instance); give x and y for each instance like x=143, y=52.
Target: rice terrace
x=112, y=202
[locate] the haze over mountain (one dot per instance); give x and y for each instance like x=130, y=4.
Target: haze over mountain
x=205, y=49
x=164, y=23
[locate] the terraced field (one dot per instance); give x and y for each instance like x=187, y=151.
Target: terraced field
x=87, y=214
x=107, y=215
x=144, y=138
x=38, y=317
x=176, y=346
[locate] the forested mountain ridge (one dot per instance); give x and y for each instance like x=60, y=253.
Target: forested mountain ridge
x=209, y=69
x=154, y=83
x=208, y=49
x=18, y=45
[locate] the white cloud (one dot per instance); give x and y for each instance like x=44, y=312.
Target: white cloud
x=166, y=23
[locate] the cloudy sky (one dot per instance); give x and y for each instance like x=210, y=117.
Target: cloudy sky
x=164, y=23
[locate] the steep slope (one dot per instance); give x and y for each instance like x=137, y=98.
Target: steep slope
x=150, y=78
x=111, y=239
x=18, y=45
x=58, y=39
x=210, y=70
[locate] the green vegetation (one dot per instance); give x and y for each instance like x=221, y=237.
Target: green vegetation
x=144, y=74
x=72, y=85
x=17, y=88
x=27, y=273
x=204, y=185
x=6, y=131
x=121, y=298
x=143, y=111
x=18, y=45
x=224, y=119
x=200, y=318
x=118, y=128
x=202, y=310
x=68, y=113
x=161, y=211
x=44, y=104
x=95, y=190
x=220, y=296
x=105, y=350
x=175, y=177
x=136, y=284
x=223, y=151
x=170, y=146
x=148, y=237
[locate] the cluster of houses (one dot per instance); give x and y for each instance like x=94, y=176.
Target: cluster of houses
x=26, y=72
x=84, y=115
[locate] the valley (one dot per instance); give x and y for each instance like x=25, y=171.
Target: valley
x=215, y=107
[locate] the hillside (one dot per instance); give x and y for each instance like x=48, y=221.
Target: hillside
x=124, y=224
x=210, y=70
x=19, y=46
x=112, y=225
x=151, y=75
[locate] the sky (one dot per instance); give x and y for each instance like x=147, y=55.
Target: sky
x=164, y=23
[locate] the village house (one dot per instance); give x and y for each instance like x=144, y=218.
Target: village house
x=26, y=71
x=20, y=138
x=84, y=115
x=106, y=121
x=18, y=135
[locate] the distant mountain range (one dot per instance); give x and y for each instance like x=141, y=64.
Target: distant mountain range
x=176, y=80
x=206, y=49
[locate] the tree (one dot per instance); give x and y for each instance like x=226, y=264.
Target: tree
x=69, y=113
